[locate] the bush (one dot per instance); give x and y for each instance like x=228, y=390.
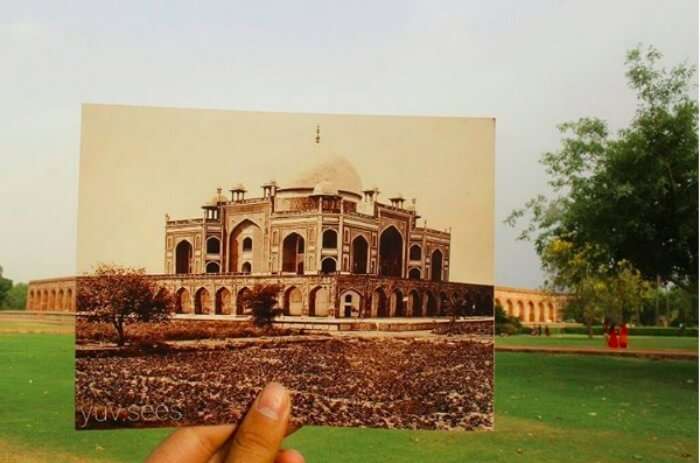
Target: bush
x=175, y=330
x=636, y=331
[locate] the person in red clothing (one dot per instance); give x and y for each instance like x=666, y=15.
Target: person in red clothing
x=612, y=339
x=623, y=336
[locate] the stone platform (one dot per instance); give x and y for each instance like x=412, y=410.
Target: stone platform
x=345, y=324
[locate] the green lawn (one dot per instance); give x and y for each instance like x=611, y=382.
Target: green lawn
x=684, y=343
x=549, y=408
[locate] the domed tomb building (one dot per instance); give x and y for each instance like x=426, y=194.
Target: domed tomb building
x=334, y=246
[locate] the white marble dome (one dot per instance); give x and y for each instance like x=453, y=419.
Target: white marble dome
x=334, y=171
x=325, y=188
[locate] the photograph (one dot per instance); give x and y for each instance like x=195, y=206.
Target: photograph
x=189, y=303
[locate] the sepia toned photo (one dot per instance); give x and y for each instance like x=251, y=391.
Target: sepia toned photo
x=194, y=295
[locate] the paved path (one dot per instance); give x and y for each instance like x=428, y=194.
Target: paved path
x=639, y=353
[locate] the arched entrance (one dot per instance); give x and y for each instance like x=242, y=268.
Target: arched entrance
x=445, y=305
x=293, y=254
x=244, y=246
x=183, y=257
x=330, y=239
x=319, y=302
x=241, y=308
x=397, y=305
x=212, y=267
x=416, y=253
x=213, y=245
x=359, y=255
x=350, y=303
x=379, y=303
x=414, y=274
x=436, y=266
x=59, y=300
x=201, y=301
x=431, y=304
x=222, y=305
x=328, y=265
x=391, y=253
x=415, y=304
x=293, y=300
x=183, y=304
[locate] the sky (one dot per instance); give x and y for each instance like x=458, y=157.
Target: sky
x=531, y=65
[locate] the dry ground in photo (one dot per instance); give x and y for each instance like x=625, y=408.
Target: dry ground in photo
x=435, y=382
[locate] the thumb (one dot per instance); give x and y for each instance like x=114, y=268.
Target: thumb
x=258, y=438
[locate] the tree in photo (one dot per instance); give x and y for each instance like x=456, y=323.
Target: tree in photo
x=629, y=197
x=121, y=296
x=262, y=301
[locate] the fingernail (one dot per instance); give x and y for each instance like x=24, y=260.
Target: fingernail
x=272, y=401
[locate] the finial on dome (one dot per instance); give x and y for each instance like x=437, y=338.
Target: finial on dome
x=318, y=134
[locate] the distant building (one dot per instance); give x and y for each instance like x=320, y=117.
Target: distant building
x=335, y=248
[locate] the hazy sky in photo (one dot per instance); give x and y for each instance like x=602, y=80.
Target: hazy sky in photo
x=531, y=65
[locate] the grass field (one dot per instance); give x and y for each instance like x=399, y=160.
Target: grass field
x=548, y=408
x=684, y=343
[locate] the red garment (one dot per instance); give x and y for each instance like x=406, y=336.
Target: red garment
x=612, y=339
x=623, y=337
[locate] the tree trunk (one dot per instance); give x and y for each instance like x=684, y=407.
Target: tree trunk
x=589, y=325
x=119, y=326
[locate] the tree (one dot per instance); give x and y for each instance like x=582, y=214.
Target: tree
x=17, y=297
x=615, y=296
x=505, y=324
x=120, y=296
x=262, y=301
x=631, y=197
x=5, y=286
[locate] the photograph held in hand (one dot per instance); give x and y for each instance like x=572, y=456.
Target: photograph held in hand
x=197, y=288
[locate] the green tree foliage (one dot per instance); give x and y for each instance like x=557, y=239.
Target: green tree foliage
x=5, y=287
x=505, y=324
x=120, y=296
x=631, y=197
x=16, y=297
x=262, y=302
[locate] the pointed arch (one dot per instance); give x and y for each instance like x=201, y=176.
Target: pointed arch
x=396, y=304
x=416, y=252
x=431, y=306
x=436, y=265
x=319, y=302
x=380, y=306
x=212, y=267
x=415, y=304
x=293, y=254
x=293, y=301
x=241, y=309
x=328, y=265
x=201, y=301
x=245, y=246
x=414, y=274
x=350, y=304
x=213, y=245
x=391, y=252
x=183, y=303
x=330, y=239
x=360, y=252
x=222, y=304
x=183, y=257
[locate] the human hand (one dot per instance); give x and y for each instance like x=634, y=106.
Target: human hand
x=256, y=440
